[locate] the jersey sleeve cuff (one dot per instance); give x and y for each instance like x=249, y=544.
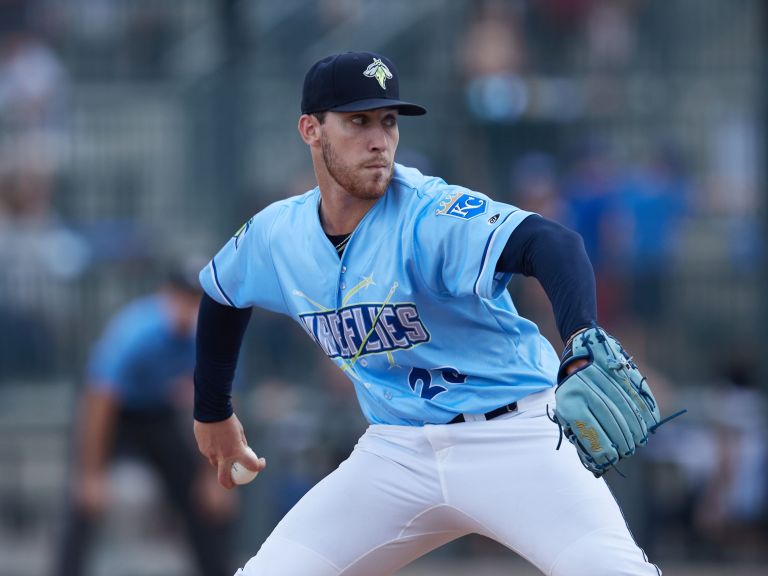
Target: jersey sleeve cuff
x=490, y=283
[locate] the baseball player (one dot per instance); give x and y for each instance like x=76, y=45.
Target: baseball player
x=401, y=279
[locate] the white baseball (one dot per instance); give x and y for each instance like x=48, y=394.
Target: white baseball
x=240, y=474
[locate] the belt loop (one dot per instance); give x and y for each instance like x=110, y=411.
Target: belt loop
x=474, y=418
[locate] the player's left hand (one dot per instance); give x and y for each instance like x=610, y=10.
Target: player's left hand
x=223, y=443
x=604, y=405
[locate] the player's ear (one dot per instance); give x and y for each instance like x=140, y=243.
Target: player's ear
x=309, y=128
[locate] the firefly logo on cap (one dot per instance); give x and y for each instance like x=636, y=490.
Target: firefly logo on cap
x=377, y=69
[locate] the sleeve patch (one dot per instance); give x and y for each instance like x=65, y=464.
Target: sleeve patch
x=462, y=205
x=241, y=232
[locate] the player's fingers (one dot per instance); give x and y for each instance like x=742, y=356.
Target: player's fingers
x=224, y=475
x=249, y=459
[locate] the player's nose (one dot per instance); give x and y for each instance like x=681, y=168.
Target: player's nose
x=380, y=140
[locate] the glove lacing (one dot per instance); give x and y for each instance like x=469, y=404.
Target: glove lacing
x=554, y=420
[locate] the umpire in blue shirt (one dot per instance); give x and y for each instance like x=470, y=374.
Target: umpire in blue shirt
x=139, y=380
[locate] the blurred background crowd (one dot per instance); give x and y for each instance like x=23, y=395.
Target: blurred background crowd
x=136, y=137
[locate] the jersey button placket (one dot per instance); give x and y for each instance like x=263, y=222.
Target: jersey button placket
x=342, y=282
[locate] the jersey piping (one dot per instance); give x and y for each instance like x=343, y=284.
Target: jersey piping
x=215, y=276
x=487, y=252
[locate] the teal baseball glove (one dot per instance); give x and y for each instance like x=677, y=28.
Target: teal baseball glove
x=606, y=408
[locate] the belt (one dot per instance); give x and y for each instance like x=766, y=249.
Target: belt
x=487, y=416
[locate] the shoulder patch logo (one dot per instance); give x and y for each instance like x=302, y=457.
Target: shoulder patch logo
x=493, y=219
x=241, y=232
x=461, y=205
x=377, y=69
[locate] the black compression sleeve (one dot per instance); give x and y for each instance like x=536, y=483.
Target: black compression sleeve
x=220, y=331
x=556, y=257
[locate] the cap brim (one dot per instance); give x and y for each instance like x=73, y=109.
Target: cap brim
x=404, y=108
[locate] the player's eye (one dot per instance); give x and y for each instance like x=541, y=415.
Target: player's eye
x=359, y=120
x=390, y=121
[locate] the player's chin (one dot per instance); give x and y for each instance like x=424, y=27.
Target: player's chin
x=374, y=191
x=380, y=182
x=371, y=188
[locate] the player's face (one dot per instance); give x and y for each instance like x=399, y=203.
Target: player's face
x=359, y=150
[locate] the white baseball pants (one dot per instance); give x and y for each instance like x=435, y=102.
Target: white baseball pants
x=407, y=490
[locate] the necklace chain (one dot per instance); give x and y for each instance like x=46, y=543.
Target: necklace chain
x=340, y=246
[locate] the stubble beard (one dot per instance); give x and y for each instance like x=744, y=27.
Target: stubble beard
x=354, y=180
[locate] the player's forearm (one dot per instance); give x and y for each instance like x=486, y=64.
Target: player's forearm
x=556, y=257
x=220, y=331
x=95, y=430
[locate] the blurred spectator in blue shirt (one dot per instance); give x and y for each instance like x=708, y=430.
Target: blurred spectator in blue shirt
x=651, y=207
x=590, y=192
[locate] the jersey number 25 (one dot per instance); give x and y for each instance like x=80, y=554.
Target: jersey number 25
x=420, y=380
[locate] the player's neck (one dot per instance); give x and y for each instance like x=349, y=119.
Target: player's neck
x=340, y=213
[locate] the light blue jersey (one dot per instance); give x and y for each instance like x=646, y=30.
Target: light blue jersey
x=414, y=311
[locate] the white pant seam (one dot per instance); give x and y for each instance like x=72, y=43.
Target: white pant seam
x=416, y=517
x=305, y=547
x=491, y=533
x=399, y=536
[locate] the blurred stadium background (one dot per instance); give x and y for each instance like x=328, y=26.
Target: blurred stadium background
x=135, y=134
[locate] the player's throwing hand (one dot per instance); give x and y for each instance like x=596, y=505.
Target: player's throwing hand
x=224, y=443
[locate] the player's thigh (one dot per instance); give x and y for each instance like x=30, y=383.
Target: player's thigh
x=284, y=557
x=369, y=517
x=607, y=552
x=280, y=557
x=541, y=502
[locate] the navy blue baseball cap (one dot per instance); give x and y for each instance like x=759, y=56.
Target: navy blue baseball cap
x=353, y=82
